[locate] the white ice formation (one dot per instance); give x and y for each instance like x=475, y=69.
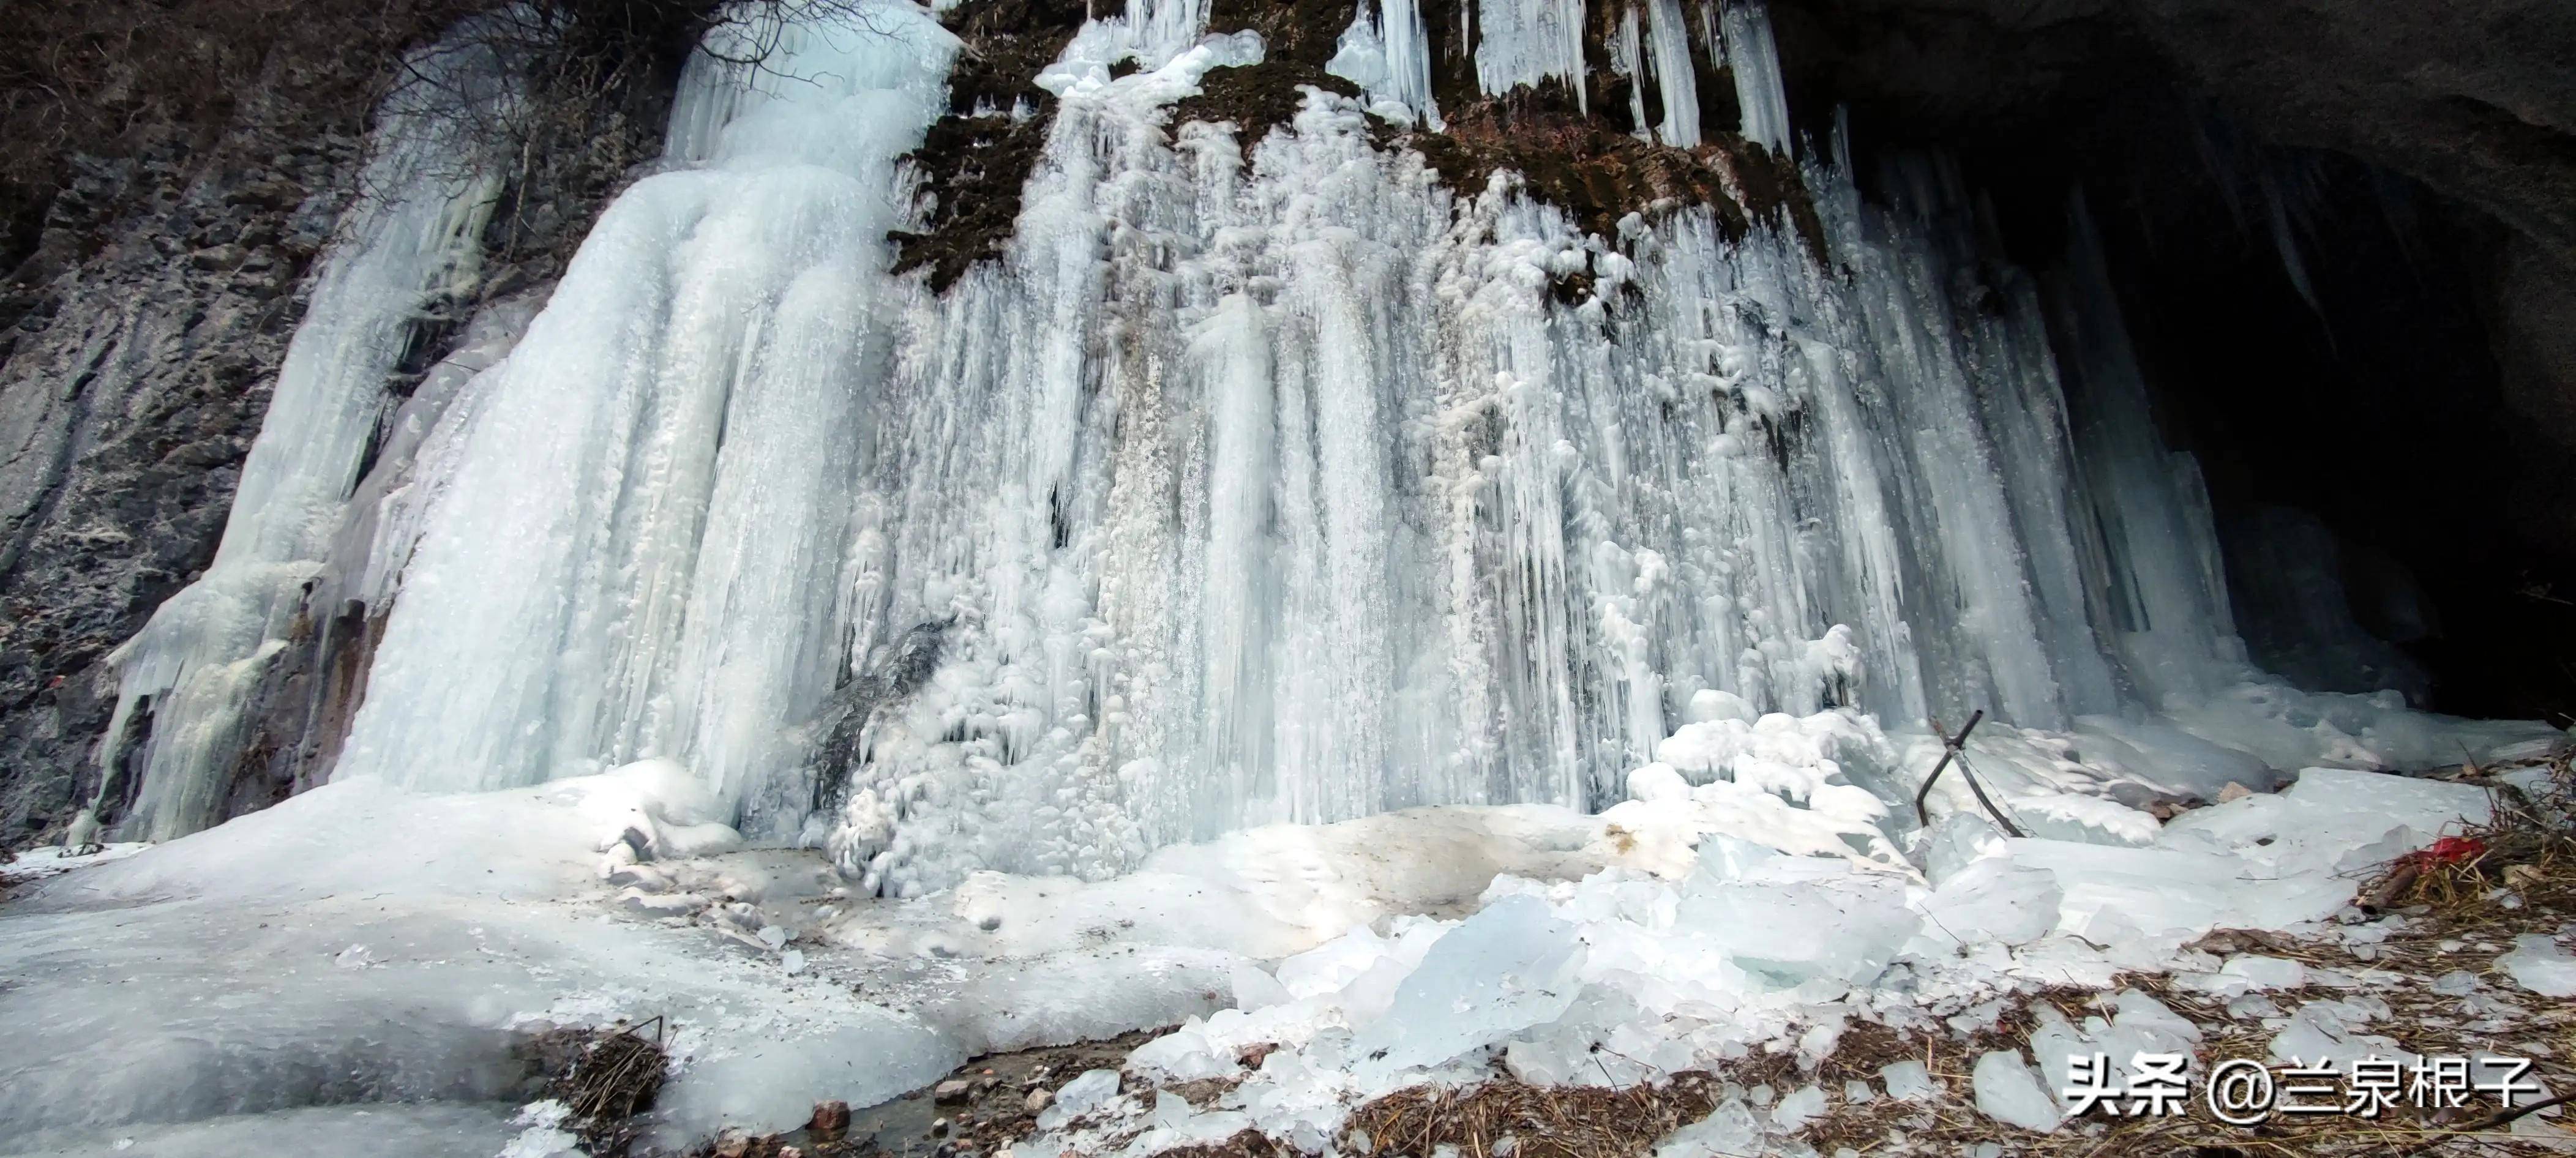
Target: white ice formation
x=1232, y=493
x=399, y=251
x=1258, y=486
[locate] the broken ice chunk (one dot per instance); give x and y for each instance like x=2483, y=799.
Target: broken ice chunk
x=2539, y=965
x=1956, y=841
x=1906, y=1081
x=1185, y=1054
x=2009, y=1092
x=1728, y=1130
x=1085, y=1093
x=1991, y=900
x=1798, y=1108
x=1511, y=966
x=1796, y=919
x=2330, y=1032
x=2265, y=972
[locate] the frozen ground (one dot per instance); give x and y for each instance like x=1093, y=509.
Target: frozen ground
x=362, y=960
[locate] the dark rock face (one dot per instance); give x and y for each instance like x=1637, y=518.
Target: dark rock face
x=2342, y=230
x=141, y=331
x=145, y=344
x=2473, y=98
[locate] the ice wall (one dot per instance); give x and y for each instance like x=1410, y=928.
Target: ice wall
x=1258, y=480
x=1387, y=53
x=1289, y=491
x=1525, y=42
x=412, y=238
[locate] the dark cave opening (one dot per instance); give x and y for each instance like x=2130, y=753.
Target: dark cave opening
x=2327, y=338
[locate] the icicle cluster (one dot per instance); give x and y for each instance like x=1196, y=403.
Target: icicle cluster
x=1259, y=480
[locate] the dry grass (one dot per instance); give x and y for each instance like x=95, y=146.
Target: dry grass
x=2526, y=847
x=606, y=1076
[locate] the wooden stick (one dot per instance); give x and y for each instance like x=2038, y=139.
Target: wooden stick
x=1952, y=748
x=2485, y=1124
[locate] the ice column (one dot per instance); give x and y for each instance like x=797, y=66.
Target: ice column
x=1523, y=42
x=413, y=238
x=638, y=549
x=1668, y=47
x=2157, y=571
x=1388, y=55
x=1755, y=59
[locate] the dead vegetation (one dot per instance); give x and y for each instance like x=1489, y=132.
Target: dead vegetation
x=975, y=162
x=604, y=1076
x=2524, y=850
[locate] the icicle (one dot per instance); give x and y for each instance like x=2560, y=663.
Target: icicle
x=2155, y=558
x=1524, y=42
x=1755, y=59
x=2285, y=241
x=1628, y=59
x=1408, y=60
x=1669, y=43
x=1393, y=64
x=1163, y=29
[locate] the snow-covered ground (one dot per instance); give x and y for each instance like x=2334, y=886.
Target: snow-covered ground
x=363, y=959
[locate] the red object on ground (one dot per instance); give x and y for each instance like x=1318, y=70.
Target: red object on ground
x=2448, y=850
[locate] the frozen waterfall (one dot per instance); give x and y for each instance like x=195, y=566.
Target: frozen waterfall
x=640, y=544
x=1258, y=480
x=412, y=239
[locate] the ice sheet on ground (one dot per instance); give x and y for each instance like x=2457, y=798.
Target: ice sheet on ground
x=318, y=924
x=311, y=1132
x=360, y=913
x=36, y=864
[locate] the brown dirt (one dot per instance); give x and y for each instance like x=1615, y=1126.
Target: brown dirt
x=975, y=167
x=1599, y=175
